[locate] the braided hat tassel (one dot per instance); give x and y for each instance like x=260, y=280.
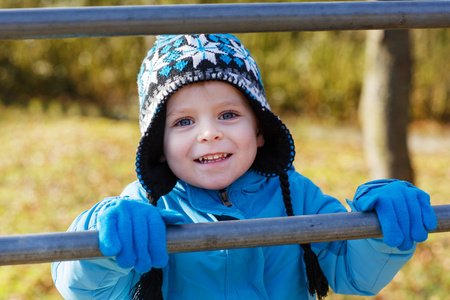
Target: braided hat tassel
x=317, y=281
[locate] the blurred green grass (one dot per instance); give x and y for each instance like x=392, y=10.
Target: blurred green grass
x=55, y=165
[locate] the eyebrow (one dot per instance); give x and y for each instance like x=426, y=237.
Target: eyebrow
x=177, y=112
x=188, y=109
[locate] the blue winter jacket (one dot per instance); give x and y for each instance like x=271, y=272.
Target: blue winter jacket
x=361, y=267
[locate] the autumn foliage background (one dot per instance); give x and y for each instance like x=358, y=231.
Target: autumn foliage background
x=68, y=130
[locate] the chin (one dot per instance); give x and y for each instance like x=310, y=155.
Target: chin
x=213, y=181
x=212, y=185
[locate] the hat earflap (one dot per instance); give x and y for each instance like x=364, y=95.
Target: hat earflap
x=278, y=152
x=155, y=176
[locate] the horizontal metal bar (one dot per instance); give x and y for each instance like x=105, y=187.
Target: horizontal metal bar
x=219, y=18
x=47, y=247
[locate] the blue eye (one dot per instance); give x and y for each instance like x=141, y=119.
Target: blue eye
x=184, y=122
x=228, y=115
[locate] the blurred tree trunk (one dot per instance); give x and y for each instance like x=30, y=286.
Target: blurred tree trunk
x=384, y=104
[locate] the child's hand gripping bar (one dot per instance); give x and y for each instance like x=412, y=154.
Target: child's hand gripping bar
x=47, y=247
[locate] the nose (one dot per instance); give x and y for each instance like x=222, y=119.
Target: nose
x=209, y=132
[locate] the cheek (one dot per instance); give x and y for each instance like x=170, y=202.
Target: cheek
x=249, y=142
x=174, y=147
x=254, y=135
x=167, y=148
x=170, y=156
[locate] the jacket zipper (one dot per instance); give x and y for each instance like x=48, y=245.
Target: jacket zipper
x=223, y=195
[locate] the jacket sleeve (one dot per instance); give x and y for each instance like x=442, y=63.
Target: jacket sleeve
x=353, y=267
x=98, y=278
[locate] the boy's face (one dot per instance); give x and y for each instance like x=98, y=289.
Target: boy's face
x=211, y=134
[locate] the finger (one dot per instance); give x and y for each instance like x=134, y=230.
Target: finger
x=406, y=245
x=109, y=241
x=392, y=233
x=157, y=240
x=140, y=233
x=418, y=231
x=402, y=211
x=126, y=258
x=428, y=213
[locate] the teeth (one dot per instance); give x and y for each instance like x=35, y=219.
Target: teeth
x=213, y=158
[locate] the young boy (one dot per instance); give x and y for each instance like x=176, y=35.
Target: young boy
x=211, y=150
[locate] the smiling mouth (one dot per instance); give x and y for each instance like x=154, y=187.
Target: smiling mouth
x=212, y=158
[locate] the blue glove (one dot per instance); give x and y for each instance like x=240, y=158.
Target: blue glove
x=404, y=211
x=135, y=233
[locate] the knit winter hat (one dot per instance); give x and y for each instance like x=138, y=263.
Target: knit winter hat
x=178, y=60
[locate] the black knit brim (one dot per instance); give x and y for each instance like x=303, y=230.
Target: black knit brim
x=155, y=176
x=278, y=151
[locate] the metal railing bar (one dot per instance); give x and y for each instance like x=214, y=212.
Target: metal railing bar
x=47, y=247
x=220, y=18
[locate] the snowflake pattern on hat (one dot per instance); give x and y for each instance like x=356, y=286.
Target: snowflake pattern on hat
x=199, y=49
